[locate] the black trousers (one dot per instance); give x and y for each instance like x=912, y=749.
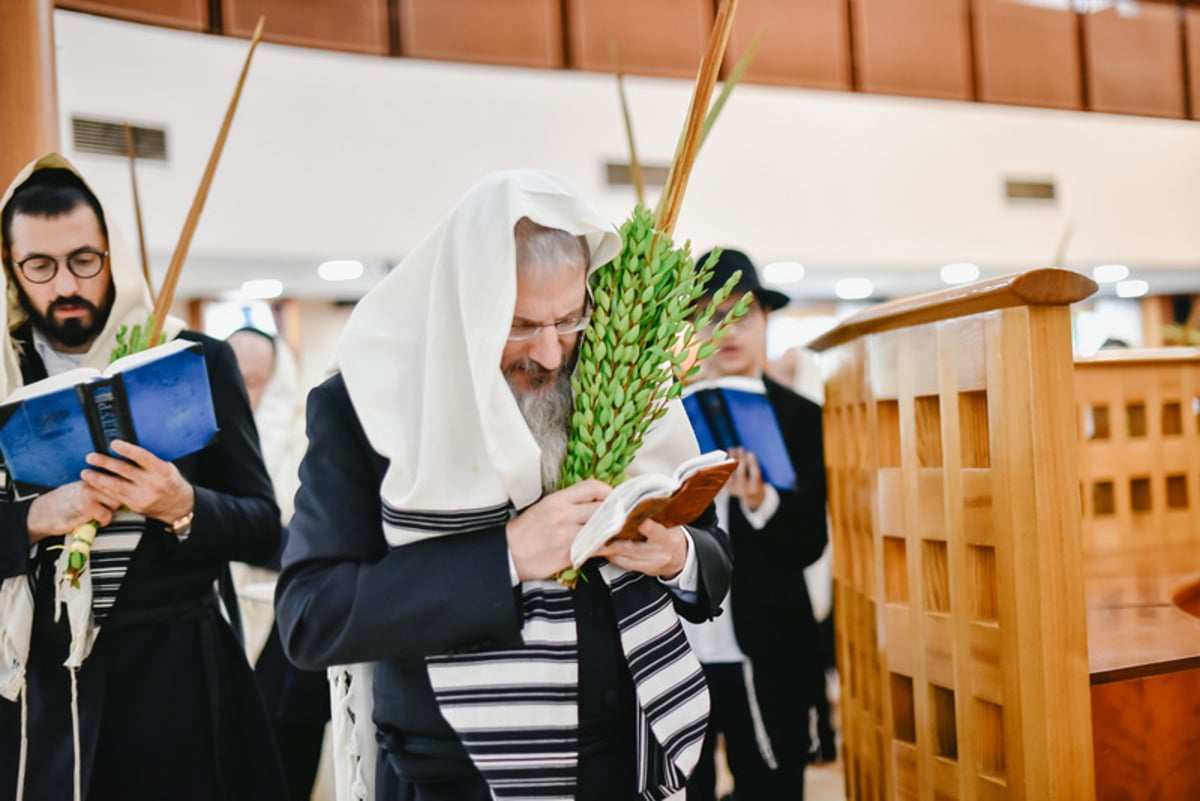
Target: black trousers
x=783, y=703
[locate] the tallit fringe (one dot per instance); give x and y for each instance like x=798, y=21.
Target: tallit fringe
x=75, y=732
x=760, y=729
x=355, y=750
x=24, y=756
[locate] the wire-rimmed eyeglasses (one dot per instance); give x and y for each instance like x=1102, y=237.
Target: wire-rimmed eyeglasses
x=521, y=332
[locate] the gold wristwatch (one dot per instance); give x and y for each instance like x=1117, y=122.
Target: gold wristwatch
x=183, y=526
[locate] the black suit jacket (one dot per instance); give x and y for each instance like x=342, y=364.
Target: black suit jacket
x=167, y=704
x=772, y=613
x=345, y=597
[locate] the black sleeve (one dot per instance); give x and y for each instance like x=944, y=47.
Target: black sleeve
x=14, y=531
x=344, y=596
x=236, y=515
x=714, y=560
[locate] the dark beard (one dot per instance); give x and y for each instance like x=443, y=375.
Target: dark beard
x=71, y=332
x=547, y=411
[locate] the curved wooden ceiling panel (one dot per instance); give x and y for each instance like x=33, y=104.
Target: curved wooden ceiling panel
x=1130, y=60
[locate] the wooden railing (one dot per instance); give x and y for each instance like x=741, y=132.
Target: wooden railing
x=959, y=586
x=1016, y=551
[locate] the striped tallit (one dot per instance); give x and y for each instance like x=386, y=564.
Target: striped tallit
x=515, y=710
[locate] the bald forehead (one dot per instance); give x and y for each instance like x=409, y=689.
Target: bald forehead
x=252, y=350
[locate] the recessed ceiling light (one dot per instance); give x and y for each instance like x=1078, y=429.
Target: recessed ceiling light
x=1133, y=288
x=853, y=288
x=784, y=272
x=262, y=288
x=960, y=273
x=340, y=269
x=1110, y=273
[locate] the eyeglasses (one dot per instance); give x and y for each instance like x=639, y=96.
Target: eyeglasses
x=83, y=263
x=568, y=325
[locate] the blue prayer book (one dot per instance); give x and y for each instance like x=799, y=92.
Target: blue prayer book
x=735, y=412
x=159, y=399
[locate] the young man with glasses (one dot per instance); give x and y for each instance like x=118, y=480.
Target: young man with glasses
x=429, y=521
x=140, y=688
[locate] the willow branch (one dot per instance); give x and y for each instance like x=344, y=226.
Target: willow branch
x=1064, y=241
x=739, y=69
x=167, y=293
x=685, y=155
x=635, y=166
x=137, y=206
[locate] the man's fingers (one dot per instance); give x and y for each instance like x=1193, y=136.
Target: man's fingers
x=586, y=491
x=753, y=473
x=135, y=453
x=118, y=467
x=582, y=512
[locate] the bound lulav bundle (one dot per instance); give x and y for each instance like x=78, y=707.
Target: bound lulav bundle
x=79, y=545
x=634, y=352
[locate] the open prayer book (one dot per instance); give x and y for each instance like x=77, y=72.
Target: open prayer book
x=670, y=500
x=157, y=398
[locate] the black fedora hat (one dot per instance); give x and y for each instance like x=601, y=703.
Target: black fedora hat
x=729, y=262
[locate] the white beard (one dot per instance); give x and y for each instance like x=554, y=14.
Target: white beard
x=548, y=415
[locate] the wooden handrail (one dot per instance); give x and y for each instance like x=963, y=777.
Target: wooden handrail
x=1133, y=356
x=1048, y=286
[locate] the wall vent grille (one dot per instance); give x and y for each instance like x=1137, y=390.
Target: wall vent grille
x=622, y=175
x=108, y=139
x=1030, y=190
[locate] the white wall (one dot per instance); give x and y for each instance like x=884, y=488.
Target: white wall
x=338, y=155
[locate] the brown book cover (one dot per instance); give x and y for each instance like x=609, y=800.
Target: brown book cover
x=672, y=500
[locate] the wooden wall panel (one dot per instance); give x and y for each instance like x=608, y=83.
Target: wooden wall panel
x=359, y=27
x=1191, y=27
x=665, y=37
x=1027, y=55
x=1135, y=63
x=188, y=14
x=907, y=48
x=526, y=33
x=807, y=42
x=29, y=101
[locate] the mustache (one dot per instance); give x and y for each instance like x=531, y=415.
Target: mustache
x=532, y=369
x=541, y=375
x=73, y=300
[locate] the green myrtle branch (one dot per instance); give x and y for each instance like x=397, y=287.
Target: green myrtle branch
x=633, y=354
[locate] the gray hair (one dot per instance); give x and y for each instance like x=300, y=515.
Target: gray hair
x=547, y=250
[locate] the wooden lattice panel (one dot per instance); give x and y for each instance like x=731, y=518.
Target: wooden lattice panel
x=957, y=556
x=1139, y=435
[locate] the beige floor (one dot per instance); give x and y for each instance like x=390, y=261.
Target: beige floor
x=824, y=783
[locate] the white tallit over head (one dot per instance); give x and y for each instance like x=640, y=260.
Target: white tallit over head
x=131, y=305
x=421, y=353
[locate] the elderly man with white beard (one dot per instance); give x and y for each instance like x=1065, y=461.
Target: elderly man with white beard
x=430, y=521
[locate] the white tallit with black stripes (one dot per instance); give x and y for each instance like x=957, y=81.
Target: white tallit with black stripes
x=87, y=606
x=443, y=410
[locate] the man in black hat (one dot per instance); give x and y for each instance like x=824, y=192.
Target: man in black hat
x=762, y=660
